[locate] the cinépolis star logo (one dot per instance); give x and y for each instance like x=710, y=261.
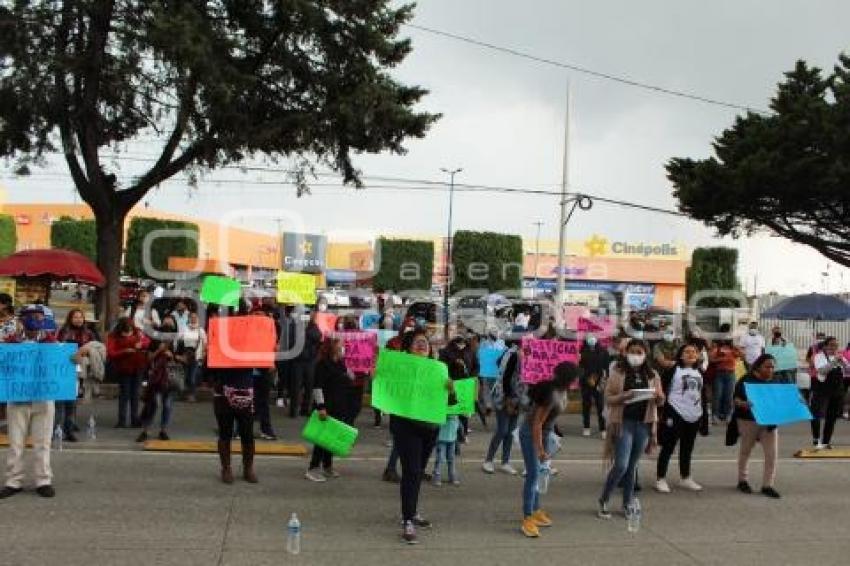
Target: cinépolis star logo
x=596, y=246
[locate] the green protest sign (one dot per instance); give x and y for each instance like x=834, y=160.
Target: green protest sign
x=334, y=436
x=411, y=386
x=465, y=390
x=221, y=291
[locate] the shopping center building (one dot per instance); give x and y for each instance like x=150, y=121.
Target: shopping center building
x=599, y=268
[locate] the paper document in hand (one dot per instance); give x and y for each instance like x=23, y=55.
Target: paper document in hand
x=641, y=395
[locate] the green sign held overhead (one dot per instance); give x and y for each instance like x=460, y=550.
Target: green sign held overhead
x=334, y=436
x=466, y=392
x=221, y=291
x=411, y=386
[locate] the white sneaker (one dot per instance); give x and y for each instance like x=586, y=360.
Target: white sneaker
x=820, y=446
x=316, y=476
x=689, y=484
x=603, y=435
x=585, y=432
x=661, y=486
x=488, y=467
x=554, y=471
x=507, y=469
x=280, y=402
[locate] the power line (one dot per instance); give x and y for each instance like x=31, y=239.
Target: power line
x=417, y=185
x=587, y=71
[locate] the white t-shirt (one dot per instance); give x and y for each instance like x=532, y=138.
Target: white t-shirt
x=686, y=394
x=753, y=347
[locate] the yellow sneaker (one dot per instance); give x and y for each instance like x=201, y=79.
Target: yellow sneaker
x=529, y=527
x=541, y=519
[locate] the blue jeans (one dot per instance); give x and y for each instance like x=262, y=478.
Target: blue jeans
x=530, y=495
x=505, y=425
x=150, y=408
x=724, y=388
x=445, y=450
x=628, y=449
x=193, y=374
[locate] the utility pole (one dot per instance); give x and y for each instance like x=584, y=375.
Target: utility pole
x=448, y=284
x=279, y=244
x=562, y=224
x=539, y=223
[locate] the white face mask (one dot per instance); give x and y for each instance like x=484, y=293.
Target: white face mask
x=669, y=337
x=323, y=307
x=636, y=360
x=753, y=331
x=591, y=341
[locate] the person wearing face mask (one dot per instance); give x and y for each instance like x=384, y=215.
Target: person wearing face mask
x=165, y=370
x=593, y=362
x=333, y=392
x=752, y=343
x=547, y=400
x=633, y=395
x=761, y=372
x=664, y=352
x=828, y=393
x=723, y=357
x=682, y=416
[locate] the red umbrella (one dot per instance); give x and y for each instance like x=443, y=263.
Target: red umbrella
x=56, y=264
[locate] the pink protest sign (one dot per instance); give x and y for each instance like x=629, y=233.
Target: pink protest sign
x=539, y=357
x=361, y=349
x=603, y=327
x=572, y=314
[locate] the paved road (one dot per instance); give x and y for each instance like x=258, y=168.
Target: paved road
x=118, y=505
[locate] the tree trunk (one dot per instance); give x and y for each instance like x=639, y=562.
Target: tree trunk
x=110, y=247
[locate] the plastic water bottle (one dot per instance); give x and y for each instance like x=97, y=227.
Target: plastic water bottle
x=633, y=513
x=58, y=435
x=293, y=535
x=543, y=477
x=92, y=429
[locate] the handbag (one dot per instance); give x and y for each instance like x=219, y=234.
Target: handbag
x=176, y=376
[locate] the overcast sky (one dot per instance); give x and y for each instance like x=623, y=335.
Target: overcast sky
x=504, y=123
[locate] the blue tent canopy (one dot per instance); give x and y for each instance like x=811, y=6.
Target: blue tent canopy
x=813, y=306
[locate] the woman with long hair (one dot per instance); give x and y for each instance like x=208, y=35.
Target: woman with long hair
x=333, y=390
x=74, y=331
x=632, y=395
x=165, y=364
x=682, y=416
x=546, y=401
x=126, y=349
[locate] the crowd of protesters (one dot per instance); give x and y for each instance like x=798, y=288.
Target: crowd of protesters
x=648, y=387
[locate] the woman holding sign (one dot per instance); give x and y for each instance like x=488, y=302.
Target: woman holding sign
x=632, y=395
x=827, y=392
x=332, y=395
x=751, y=432
x=547, y=400
x=414, y=441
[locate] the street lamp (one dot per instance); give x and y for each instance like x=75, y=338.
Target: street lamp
x=447, y=286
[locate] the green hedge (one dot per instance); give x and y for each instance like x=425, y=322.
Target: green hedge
x=8, y=235
x=162, y=249
x=487, y=260
x=76, y=235
x=404, y=265
x=713, y=269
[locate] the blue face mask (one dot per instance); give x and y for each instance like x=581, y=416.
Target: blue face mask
x=591, y=341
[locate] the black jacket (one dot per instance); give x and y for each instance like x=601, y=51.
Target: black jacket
x=332, y=378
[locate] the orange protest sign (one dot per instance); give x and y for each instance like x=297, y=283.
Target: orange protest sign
x=241, y=342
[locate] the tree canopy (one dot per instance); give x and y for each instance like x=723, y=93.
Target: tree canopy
x=212, y=82
x=787, y=173
x=486, y=261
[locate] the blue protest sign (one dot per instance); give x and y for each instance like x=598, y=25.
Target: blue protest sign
x=785, y=356
x=488, y=360
x=384, y=336
x=777, y=404
x=37, y=372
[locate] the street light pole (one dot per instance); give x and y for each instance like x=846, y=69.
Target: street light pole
x=447, y=270
x=562, y=224
x=539, y=223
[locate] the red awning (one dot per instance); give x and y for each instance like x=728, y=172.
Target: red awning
x=55, y=264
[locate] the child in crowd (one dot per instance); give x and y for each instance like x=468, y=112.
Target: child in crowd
x=446, y=446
